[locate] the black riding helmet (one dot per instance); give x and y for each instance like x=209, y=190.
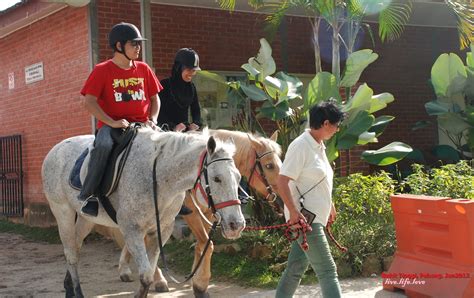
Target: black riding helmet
x=188, y=58
x=123, y=32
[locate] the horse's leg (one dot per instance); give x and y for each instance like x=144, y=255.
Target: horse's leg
x=200, y=230
x=65, y=217
x=124, y=265
x=136, y=245
x=151, y=241
x=83, y=228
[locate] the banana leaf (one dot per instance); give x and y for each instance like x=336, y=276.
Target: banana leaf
x=387, y=155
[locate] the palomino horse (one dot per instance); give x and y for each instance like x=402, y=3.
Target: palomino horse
x=172, y=162
x=258, y=160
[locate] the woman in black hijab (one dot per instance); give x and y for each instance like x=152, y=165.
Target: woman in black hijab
x=179, y=94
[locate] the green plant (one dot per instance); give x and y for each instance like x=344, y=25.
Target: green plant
x=364, y=222
x=452, y=180
x=284, y=103
x=453, y=84
x=339, y=15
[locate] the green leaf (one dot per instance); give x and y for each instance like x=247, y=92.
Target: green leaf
x=416, y=155
x=380, y=101
x=331, y=151
x=436, y=107
x=348, y=137
x=274, y=112
x=355, y=65
x=263, y=62
x=253, y=73
x=253, y=92
x=322, y=87
x=295, y=86
x=448, y=75
x=445, y=152
x=380, y=124
x=367, y=137
x=387, y=155
x=421, y=124
x=212, y=76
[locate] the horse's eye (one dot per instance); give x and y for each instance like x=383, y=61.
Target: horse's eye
x=269, y=166
x=217, y=179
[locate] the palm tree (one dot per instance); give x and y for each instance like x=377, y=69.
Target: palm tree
x=464, y=10
x=337, y=13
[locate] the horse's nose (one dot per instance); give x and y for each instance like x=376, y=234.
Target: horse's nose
x=233, y=226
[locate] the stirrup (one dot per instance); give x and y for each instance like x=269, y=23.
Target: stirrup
x=90, y=206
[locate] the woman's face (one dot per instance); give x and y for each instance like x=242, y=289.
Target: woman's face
x=330, y=129
x=188, y=74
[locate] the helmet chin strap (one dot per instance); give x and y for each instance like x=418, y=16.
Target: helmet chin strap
x=122, y=50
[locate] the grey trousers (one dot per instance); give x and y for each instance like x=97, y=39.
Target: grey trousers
x=99, y=157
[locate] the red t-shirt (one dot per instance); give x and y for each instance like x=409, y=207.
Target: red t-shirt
x=123, y=93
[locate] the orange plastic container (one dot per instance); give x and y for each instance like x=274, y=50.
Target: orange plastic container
x=435, y=247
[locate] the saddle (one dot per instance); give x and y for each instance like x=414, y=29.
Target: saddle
x=123, y=140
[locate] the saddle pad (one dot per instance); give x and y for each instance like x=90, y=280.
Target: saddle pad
x=75, y=176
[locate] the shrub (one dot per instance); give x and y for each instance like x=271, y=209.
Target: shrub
x=364, y=223
x=451, y=180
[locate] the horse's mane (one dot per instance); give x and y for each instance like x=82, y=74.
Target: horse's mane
x=244, y=148
x=184, y=142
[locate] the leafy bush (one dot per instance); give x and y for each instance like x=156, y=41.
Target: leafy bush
x=364, y=223
x=451, y=180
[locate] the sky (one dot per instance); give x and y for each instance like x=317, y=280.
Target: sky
x=4, y=4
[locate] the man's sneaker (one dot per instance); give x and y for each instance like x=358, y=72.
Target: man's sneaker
x=185, y=210
x=90, y=206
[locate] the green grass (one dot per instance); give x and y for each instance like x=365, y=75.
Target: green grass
x=237, y=268
x=49, y=235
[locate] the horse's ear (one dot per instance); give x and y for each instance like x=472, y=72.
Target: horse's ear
x=274, y=136
x=211, y=145
x=255, y=143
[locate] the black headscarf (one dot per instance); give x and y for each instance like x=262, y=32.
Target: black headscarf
x=182, y=91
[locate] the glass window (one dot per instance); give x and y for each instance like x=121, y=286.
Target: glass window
x=216, y=110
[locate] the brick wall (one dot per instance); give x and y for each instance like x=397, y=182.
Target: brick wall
x=47, y=111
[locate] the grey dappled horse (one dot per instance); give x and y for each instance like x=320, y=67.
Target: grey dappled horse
x=178, y=166
x=258, y=159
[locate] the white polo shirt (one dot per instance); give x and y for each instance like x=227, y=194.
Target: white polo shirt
x=306, y=164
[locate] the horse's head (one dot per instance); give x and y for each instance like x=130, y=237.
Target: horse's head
x=266, y=167
x=223, y=178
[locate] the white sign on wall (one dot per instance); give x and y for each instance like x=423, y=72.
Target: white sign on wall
x=11, y=80
x=34, y=73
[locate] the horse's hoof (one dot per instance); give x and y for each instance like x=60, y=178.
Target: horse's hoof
x=162, y=288
x=126, y=278
x=198, y=293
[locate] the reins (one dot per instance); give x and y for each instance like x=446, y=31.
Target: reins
x=210, y=201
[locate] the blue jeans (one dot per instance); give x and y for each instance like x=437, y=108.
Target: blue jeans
x=99, y=157
x=320, y=258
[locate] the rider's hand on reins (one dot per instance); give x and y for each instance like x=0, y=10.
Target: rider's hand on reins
x=180, y=127
x=121, y=123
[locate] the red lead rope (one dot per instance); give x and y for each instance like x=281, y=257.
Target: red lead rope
x=290, y=233
x=293, y=234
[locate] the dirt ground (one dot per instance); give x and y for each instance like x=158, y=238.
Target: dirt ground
x=33, y=269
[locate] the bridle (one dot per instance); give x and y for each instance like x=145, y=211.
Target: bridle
x=260, y=174
x=206, y=190
x=204, y=164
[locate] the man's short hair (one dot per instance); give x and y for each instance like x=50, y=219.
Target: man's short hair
x=327, y=110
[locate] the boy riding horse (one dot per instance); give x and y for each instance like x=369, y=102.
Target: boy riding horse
x=118, y=91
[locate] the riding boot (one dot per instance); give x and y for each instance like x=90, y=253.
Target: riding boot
x=90, y=206
x=185, y=210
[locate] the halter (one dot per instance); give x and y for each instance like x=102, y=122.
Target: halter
x=206, y=190
x=260, y=174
